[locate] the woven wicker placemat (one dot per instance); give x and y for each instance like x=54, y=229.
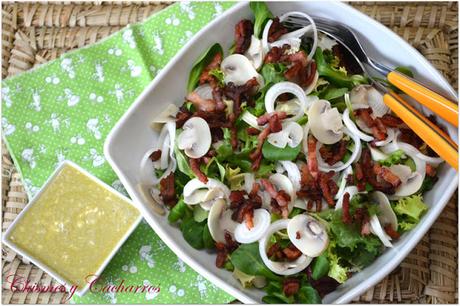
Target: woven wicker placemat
x=34, y=33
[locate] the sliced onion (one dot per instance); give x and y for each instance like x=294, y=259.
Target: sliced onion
x=251, y=120
x=312, y=85
x=293, y=173
x=265, y=44
x=339, y=166
x=351, y=190
x=353, y=128
x=261, y=222
x=281, y=268
x=408, y=148
x=377, y=230
x=248, y=182
x=343, y=181
x=285, y=87
x=303, y=30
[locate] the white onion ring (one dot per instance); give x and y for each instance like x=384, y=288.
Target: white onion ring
x=248, y=182
x=168, y=131
x=352, y=126
x=414, y=151
x=343, y=181
x=312, y=25
x=281, y=268
x=265, y=45
x=251, y=120
x=285, y=87
x=293, y=173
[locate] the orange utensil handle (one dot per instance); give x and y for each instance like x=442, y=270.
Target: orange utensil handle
x=432, y=135
x=443, y=107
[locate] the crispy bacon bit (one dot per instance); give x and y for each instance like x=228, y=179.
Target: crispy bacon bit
x=243, y=33
x=378, y=129
x=350, y=179
x=359, y=215
x=391, y=232
x=294, y=58
x=214, y=119
x=312, y=161
x=195, y=166
x=346, y=217
x=275, y=250
x=291, y=286
x=222, y=254
x=325, y=179
x=205, y=77
x=155, y=155
x=391, y=121
x=167, y=190
x=206, y=105
x=291, y=252
x=265, y=118
x=260, y=142
x=249, y=219
x=281, y=197
x=234, y=137
x=301, y=74
x=359, y=172
x=237, y=196
x=230, y=244
x=274, y=55
x=252, y=131
x=182, y=115
x=275, y=124
x=255, y=189
x=387, y=175
x=430, y=170
x=240, y=93
x=276, y=30
x=370, y=176
x=334, y=153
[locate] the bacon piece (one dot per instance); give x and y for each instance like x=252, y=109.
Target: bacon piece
x=195, y=166
x=276, y=30
x=222, y=254
x=430, y=170
x=334, y=153
x=365, y=228
x=217, y=96
x=214, y=119
x=167, y=190
x=370, y=176
x=312, y=161
x=275, y=124
x=281, y=197
x=291, y=286
x=274, y=55
x=302, y=75
x=268, y=186
x=182, y=115
x=298, y=57
x=256, y=156
x=387, y=175
x=265, y=118
x=255, y=189
x=243, y=33
x=239, y=93
x=236, y=196
x=391, y=121
x=206, y=105
x=391, y=232
x=291, y=252
x=346, y=217
x=155, y=155
x=378, y=129
x=252, y=131
x=205, y=77
x=359, y=172
x=275, y=250
x=324, y=181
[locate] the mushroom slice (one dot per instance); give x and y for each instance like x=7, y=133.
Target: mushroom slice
x=255, y=52
x=308, y=235
x=387, y=215
x=282, y=182
x=195, y=138
x=351, y=190
x=291, y=135
x=281, y=268
x=220, y=220
x=286, y=87
x=377, y=230
x=238, y=70
x=325, y=122
x=261, y=220
x=367, y=94
x=196, y=192
x=293, y=172
x=168, y=114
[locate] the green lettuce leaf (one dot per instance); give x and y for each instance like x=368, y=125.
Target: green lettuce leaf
x=394, y=158
x=200, y=64
x=261, y=15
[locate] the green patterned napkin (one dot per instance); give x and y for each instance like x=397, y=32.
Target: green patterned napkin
x=65, y=109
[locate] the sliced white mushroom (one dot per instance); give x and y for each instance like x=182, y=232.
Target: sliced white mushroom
x=292, y=171
x=308, y=235
x=168, y=114
x=261, y=221
x=367, y=94
x=195, y=138
x=376, y=229
x=291, y=135
x=238, y=70
x=255, y=52
x=325, y=122
x=286, y=87
x=167, y=161
x=351, y=190
x=387, y=215
x=290, y=107
x=196, y=192
x=281, y=268
x=147, y=196
x=220, y=221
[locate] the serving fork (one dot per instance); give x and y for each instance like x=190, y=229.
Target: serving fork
x=437, y=139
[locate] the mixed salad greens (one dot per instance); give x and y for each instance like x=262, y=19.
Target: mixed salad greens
x=286, y=163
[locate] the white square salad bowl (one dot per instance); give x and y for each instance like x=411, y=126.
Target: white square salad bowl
x=132, y=137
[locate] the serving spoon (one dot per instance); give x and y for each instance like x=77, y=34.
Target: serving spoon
x=431, y=134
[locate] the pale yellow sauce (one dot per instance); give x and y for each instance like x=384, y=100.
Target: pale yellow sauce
x=74, y=225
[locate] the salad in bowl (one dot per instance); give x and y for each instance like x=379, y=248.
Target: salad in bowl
x=284, y=161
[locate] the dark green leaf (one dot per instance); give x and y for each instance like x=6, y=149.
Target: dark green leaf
x=296, y=211
x=207, y=238
x=193, y=232
x=273, y=153
x=178, y=211
x=273, y=73
x=320, y=266
x=308, y=295
x=333, y=93
x=247, y=259
x=261, y=15
x=182, y=163
x=200, y=64
x=270, y=299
